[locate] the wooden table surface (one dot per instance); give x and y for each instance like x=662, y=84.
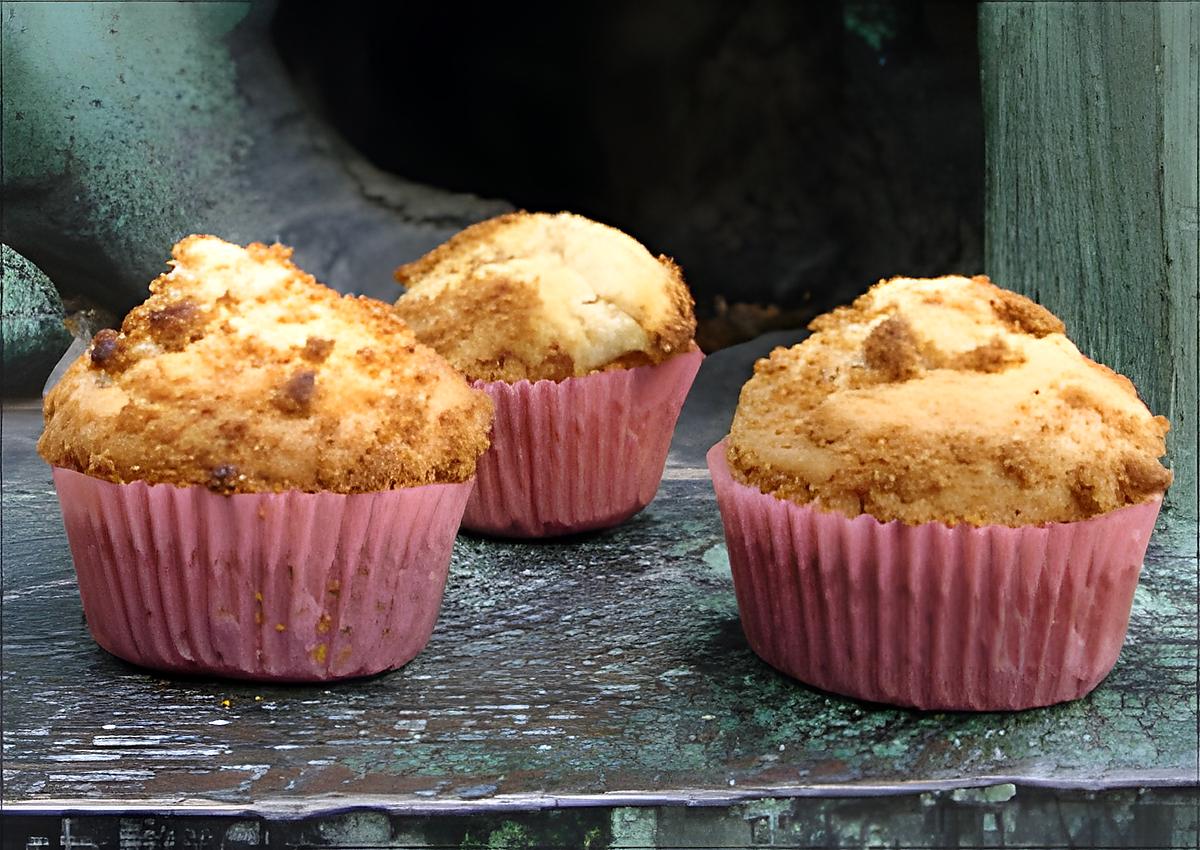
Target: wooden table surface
x=604, y=670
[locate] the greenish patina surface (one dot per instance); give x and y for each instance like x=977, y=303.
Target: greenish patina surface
x=143, y=138
x=1092, y=113
x=31, y=324
x=130, y=125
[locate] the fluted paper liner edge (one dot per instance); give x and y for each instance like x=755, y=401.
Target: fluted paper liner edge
x=932, y=616
x=265, y=586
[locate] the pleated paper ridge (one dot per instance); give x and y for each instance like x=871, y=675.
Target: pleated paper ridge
x=579, y=454
x=932, y=616
x=268, y=586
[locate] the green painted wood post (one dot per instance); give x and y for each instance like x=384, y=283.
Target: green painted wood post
x=1092, y=120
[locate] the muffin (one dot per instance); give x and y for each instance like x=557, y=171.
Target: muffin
x=259, y=477
x=583, y=340
x=937, y=501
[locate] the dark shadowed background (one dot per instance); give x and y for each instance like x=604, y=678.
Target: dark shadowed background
x=787, y=154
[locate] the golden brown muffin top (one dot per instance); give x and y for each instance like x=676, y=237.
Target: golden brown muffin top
x=545, y=297
x=241, y=373
x=947, y=400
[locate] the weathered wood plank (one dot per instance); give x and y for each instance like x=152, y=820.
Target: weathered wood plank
x=1092, y=120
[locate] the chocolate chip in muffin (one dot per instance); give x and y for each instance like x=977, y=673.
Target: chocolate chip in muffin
x=105, y=347
x=176, y=324
x=296, y=395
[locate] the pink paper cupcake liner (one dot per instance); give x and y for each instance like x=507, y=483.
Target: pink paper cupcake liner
x=297, y=587
x=579, y=454
x=932, y=616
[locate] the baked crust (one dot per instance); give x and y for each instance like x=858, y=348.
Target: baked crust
x=540, y=296
x=243, y=374
x=947, y=400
